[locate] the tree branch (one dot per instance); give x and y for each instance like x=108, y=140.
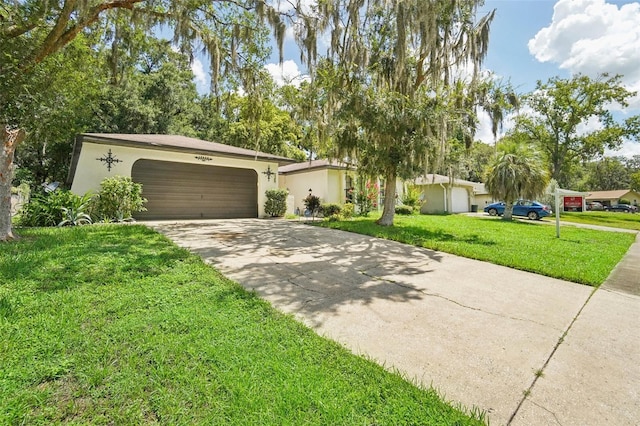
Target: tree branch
x=60, y=35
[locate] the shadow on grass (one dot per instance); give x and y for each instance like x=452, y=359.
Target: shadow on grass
x=410, y=234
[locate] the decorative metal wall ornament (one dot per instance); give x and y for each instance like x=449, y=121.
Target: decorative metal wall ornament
x=269, y=173
x=109, y=159
x=203, y=158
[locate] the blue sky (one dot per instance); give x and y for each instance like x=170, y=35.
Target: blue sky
x=537, y=39
x=516, y=22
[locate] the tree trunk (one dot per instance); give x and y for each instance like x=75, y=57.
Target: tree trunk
x=389, y=209
x=508, y=211
x=10, y=140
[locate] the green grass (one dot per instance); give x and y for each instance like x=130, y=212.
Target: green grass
x=580, y=255
x=116, y=325
x=612, y=219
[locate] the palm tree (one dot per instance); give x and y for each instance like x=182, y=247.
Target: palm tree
x=517, y=172
x=498, y=99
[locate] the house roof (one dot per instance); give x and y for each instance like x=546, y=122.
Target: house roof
x=435, y=179
x=180, y=143
x=569, y=192
x=313, y=165
x=609, y=195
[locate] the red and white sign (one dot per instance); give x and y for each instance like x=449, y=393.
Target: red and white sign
x=573, y=203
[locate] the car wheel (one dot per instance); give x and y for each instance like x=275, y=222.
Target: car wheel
x=533, y=216
x=492, y=212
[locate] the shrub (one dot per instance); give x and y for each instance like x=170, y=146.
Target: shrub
x=624, y=201
x=276, y=204
x=312, y=204
x=118, y=199
x=46, y=208
x=348, y=210
x=411, y=197
x=405, y=210
x=330, y=209
x=75, y=212
x=367, y=197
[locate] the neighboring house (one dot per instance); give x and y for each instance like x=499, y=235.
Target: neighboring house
x=331, y=180
x=182, y=177
x=328, y=179
x=441, y=194
x=481, y=196
x=609, y=198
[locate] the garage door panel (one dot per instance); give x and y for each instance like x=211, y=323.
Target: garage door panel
x=460, y=200
x=195, y=191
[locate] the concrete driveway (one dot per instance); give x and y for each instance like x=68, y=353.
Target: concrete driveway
x=526, y=349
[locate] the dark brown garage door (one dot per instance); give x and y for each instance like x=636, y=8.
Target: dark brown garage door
x=195, y=191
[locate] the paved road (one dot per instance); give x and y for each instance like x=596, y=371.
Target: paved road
x=479, y=333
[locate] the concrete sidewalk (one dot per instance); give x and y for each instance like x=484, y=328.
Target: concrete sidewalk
x=477, y=332
x=594, y=376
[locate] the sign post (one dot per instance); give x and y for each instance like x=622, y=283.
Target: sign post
x=557, y=209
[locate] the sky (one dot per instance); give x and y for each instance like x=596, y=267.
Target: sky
x=533, y=40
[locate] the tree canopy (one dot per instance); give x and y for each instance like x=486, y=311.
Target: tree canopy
x=517, y=172
x=392, y=84
x=561, y=109
x=34, y=33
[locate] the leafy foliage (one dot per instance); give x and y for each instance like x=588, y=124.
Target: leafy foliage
x=605, y=175
x=276, y=204
x=119, y=197
x=517, y=172
x=347, y=211
x=330, y=209
x=263, y=127
x=635, y=181
x=561, y=106
x=75, y=213
x=367, y=196
x=312, y=204
x=52, y=208
x=411, y=197
x=404, y=210
x=157, y=96
x=388, y=89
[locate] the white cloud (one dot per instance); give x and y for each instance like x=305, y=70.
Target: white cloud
x=199, y=75
x=592, y=37
x=286, y=73
x=628, y=149
x=484, y=133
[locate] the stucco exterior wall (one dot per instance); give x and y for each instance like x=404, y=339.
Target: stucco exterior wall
x=299, y=184
x=336, y=181
x=90, y=171
x=328, y=184
x=434, y=201
x=482, y=200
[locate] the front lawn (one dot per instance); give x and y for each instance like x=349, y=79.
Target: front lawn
x=580, y=255
x=113, y=324
x=612, y=219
